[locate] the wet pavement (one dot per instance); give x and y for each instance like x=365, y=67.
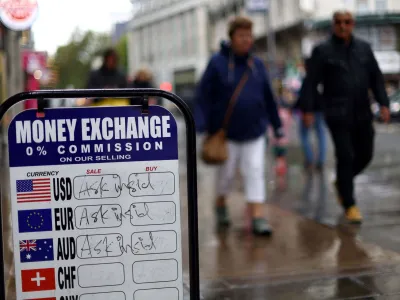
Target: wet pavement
x=377, y=192
x=313, y=254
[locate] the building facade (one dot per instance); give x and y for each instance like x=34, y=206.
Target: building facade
x=119, y=30
x=298, y=25
x=175, y=38
x=170, y=39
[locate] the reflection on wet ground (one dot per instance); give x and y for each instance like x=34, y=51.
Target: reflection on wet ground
x=313, y=254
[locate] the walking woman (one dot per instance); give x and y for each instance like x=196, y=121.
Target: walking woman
x=235, y=74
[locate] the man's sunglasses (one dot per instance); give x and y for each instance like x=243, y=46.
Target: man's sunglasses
x=346, y=22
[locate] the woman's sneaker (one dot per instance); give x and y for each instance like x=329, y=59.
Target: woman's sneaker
x=261, y=227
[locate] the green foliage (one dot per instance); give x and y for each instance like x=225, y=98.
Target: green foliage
x=122, y=50
x=73, y=61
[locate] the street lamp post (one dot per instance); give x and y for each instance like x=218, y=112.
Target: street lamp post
x=271, y=41
x=265, y=6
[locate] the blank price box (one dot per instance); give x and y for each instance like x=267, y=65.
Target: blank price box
x=164, y=294
x=152, y=271
x=104, y=296
x=101, y=275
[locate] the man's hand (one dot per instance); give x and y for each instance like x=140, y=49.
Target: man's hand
x=385, y=114
x=308, y=119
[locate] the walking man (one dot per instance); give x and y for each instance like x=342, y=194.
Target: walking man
x=347, y=69
x=235, y=73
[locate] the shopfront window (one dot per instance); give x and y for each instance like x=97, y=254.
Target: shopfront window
x=362, y=6
x=381, y=38
x=381, y=5
x=385, y=38
x=364, y=34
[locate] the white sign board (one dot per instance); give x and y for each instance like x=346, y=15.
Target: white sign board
x=95, y=204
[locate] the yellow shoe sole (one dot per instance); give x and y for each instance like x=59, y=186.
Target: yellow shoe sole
x=353, y=215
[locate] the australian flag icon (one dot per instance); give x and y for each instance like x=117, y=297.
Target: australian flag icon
x=36, y=250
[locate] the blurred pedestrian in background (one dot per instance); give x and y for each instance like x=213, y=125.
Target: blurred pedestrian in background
x=142, y=80
x=310, y=161
x=346, y=67
x=108, y=77
x=234, y=73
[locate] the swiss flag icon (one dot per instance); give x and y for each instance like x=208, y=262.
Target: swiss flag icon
x=38, y=280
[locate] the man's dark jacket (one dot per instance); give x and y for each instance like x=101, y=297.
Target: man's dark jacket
x=346, y=73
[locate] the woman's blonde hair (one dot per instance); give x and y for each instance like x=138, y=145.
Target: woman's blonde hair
x=143, y=75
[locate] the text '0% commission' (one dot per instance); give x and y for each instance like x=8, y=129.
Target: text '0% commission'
x=40, y=150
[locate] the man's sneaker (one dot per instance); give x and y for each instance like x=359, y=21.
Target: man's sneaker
x=261, y=227
x=353, y=215
x=222, y=216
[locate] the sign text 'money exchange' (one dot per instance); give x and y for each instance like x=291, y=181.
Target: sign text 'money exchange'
x=65, y=139
x=94, y=129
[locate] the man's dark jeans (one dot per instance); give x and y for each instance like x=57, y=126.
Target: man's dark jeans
x=354, y=147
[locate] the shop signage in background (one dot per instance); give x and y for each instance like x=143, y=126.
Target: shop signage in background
x=34, y=64
x=33, y=61
x=18, y=15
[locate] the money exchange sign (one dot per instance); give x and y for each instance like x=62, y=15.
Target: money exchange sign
x=95, y=204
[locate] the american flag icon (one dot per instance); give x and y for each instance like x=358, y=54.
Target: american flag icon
x=33, y=190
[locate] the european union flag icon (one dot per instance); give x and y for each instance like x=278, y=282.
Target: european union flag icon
x=36, y=250
x=34, y=220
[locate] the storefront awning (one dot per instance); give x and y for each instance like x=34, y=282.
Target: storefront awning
x=370, y=19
